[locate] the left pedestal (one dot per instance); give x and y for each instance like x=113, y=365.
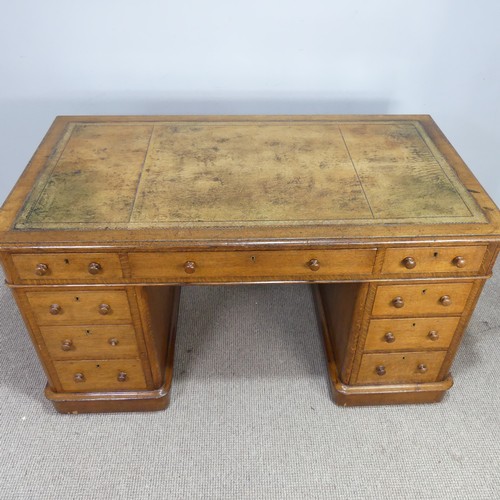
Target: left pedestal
x=104, y=349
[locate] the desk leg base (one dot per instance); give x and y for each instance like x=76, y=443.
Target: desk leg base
x=365, y=395
x=75, y=403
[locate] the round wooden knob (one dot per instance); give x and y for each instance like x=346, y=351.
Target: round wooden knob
x=122, y=377
x=113, y=341
x=41, y=269
x=422, y=368
x=104, y=309
x=190, y=267
x=398, y=302
x=445, y=300
x=389, y=337
x=67, y=345
x=79, y=377
x=95, y=268
x=409, y=262
x=380, y=370
x=313, y=264
x=55, y=309
x=433, y=335
x=458, y=261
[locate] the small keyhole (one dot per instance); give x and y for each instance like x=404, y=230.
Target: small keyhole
x=436, y=254
x=66, y=261
x=98, y=366
x=414, y=324
x=424, y=291
x=253, y=258
x=77, y=299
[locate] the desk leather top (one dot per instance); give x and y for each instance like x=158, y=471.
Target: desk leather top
x=203, y=179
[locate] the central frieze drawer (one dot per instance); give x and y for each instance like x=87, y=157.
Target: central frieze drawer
x=424, y=299
x=80, y=307
x=308, y=264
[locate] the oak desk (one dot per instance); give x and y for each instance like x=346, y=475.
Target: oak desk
x=114, y=214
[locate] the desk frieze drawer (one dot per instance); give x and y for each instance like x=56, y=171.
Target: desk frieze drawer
x=72, y=266
x=410, y=333
x=422, y=299
x=302, y=264
x=101, y=375
x=418, y=260
x=400, y=368
x=80, y=307
x=90, y=341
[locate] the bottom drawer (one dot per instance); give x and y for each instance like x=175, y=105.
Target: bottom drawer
x=101, y=375
x=400, y=368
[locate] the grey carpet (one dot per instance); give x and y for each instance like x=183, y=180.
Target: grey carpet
x=251, y=416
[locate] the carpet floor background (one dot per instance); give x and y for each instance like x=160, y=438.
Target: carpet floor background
x=251, y=416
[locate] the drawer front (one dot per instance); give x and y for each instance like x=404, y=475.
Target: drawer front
x=301, y=264
x=71, y=266
x=90, y=342
x=400, y=368
x=419, y=300
x=101, y=375
x=416, y=260
x=410, y=333
x=78, y=307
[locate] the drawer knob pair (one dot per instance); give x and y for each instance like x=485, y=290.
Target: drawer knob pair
x=43, y=269
x=411, y=263
x=56, y=309
x=80, y=377
x=380, y=369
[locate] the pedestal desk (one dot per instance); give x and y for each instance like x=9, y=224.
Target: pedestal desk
x=115, y=214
